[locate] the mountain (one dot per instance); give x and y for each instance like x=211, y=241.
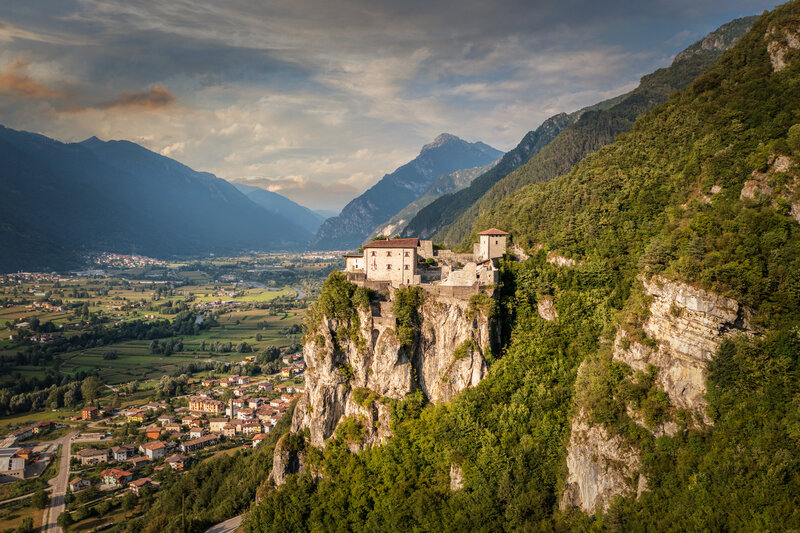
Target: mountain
x=446, y=154
x=649, y=372
x=444, y=184
x=592, y=129
x=442, y=211
x=63, y=200
x=283, y=207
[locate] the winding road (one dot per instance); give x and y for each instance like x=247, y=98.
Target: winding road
x=59, y=484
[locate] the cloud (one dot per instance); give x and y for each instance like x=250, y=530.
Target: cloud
x=16, y=83
x=156, y=98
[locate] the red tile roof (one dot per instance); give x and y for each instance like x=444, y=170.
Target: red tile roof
x=393, y=243
x=493, y=231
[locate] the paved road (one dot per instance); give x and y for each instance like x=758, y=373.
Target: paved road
x=59, y=483
x=228, y=526
x=300, y=293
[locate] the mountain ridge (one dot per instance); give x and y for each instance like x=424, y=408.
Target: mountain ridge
x=394, y=191
x=63, y=200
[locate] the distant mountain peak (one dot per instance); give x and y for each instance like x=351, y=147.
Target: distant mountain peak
x=442, y=139
x=92, y=141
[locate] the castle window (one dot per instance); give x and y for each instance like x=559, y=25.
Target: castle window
x=496, y=241
x=388, y=267
x=388, y=254
x=406, y=254
x=405, y=267
x=373, y=254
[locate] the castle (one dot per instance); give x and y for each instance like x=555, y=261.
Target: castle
x=406, y=262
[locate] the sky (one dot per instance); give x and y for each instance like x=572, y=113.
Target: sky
x=318, y=99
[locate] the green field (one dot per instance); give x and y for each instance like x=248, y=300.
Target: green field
x=135, y=362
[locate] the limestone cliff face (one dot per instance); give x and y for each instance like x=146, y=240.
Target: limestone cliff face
x=601, y=466
x=688, y=326
x=685, y=328
x=350, y=377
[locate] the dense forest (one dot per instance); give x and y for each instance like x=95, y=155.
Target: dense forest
x=665, y=198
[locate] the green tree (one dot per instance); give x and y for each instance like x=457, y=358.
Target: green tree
x=40, y=499
x=91, y=388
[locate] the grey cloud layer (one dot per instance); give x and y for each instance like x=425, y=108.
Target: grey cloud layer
x=317, y=99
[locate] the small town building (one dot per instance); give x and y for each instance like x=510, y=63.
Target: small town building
x=258, y=438
x=11, y=464
x=79, y=483
x=165, y=419
x=176, y=462
x=42, y=426
x=153, y=432
x=201, y=404
x=196, y=433
x=116, y=477
x=251, y=428
x=91, y=456
x=135, y=415
x=123, y=452
x=154, y=450
x=90, y=413
x=200, y=443
x=216, y=424
x=139, y=484
x=138, y=462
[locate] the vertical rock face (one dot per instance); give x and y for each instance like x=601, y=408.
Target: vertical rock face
x=350, y=377
x=688, y=325
x=601, y=467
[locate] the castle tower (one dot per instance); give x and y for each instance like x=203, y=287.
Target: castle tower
x=491, y=244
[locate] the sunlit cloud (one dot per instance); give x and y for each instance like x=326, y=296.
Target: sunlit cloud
x=15, y=82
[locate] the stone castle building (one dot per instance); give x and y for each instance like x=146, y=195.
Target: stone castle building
x=404, y=262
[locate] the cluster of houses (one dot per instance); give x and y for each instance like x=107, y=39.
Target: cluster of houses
x=172, y=439
x=406, y=262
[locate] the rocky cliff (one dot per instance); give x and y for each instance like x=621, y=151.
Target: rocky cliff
x=684, y=329
x=356, y=368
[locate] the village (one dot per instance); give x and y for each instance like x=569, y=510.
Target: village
x=115, y=451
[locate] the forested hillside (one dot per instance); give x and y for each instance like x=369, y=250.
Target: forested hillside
x=61, y=201
x=597, y=127
x=704, y=191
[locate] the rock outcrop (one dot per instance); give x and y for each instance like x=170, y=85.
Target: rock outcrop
x=601, y=466
x=547, y=308
x=353, y=375
x=685, y=328
x=285, y=461
x=688, y=325
x=767, y=186
x=781, y=41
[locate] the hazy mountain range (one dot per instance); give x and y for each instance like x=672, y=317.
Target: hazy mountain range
x=62, y=200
